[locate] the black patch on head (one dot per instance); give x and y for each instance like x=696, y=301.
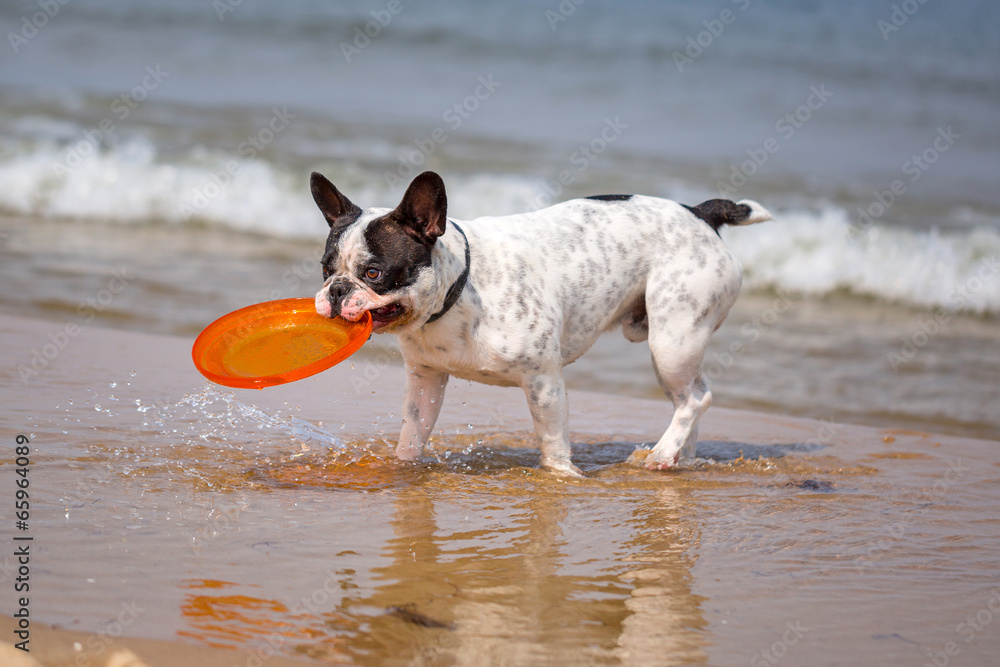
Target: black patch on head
x=610, y=197
x=396, y=253
x=719, y=212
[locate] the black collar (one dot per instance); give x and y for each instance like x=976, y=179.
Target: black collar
x=455, y=290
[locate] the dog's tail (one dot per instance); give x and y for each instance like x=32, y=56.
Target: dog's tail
x=719, y=212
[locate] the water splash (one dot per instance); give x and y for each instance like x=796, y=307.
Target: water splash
x=215, y=405
x=209, y=416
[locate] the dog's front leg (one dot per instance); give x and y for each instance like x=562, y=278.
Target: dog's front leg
x=422, y=398
x=547, y=401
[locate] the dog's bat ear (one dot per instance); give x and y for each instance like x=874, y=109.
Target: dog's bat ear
x=331, y=202
x=424, y=209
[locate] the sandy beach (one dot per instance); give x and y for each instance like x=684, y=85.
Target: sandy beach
x=155, y=166
x=174, y=519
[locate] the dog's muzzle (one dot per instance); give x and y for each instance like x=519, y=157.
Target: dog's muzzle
x=338, y=289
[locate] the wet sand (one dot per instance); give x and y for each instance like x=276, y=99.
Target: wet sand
x=274, y=522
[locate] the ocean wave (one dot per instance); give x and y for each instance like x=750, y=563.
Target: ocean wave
x=813, y=252
x=130, y=183
x=823, y=252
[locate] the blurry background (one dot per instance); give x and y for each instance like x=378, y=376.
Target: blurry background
x=154, y=163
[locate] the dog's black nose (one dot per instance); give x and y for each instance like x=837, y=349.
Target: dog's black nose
x=339, y=288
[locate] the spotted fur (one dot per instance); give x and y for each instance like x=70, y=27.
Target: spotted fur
x=542, y=287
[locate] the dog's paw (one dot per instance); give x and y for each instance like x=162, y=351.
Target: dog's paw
x=638, y=457
x=408, y=453
x=562, y=467
x=647, y=458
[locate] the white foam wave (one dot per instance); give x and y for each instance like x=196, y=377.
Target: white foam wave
x=128, y=182
x=822, y=253
x=802, y=251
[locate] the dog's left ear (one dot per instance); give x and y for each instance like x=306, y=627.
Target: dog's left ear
x=334, y=206
x=424, y=209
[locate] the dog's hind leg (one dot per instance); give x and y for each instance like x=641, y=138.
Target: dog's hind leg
x=678, y=338
x=681, y=378
x=684, y=308
x=681, y=437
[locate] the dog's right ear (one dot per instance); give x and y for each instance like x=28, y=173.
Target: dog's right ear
x=331, y=202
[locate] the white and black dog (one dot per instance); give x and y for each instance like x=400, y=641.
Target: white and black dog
x=511, y=300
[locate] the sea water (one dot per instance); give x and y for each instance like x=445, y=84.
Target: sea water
x=154, y=164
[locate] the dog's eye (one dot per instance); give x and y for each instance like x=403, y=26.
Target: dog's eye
x=373, y=274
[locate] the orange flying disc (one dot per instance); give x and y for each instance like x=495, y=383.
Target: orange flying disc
x=275, y=342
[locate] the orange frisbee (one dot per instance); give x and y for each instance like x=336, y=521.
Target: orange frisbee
x=275, y=342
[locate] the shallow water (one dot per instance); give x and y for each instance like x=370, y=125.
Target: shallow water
x=232, y=525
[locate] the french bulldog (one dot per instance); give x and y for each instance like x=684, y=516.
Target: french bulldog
x=511, y=300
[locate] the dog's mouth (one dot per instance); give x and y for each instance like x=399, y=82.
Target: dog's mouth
x=386, y=314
